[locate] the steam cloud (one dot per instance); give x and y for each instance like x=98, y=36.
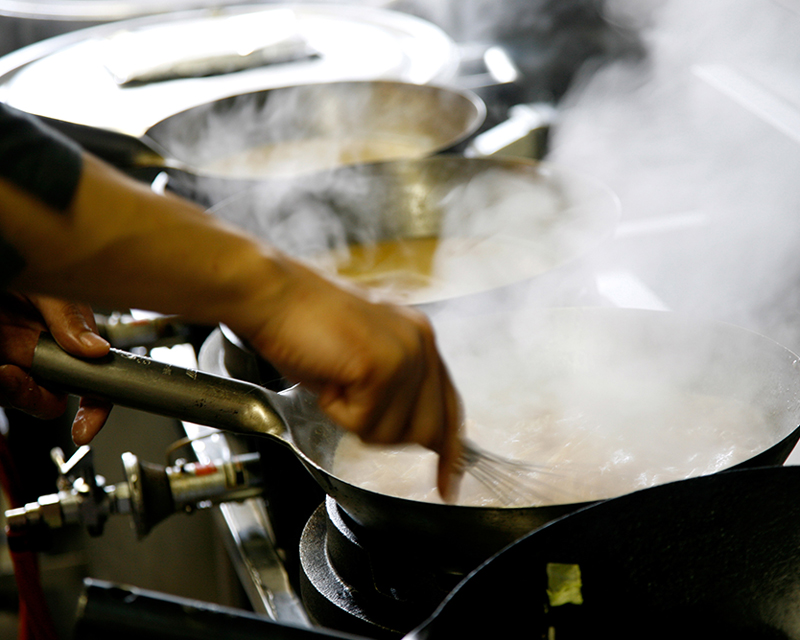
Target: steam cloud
x=699, y=139
x=706, y=127
x=698, y=129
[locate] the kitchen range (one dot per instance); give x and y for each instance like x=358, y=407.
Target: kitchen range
x=593, y=202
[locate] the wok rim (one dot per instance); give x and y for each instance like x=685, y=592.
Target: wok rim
x=789, y=436
x=475, y=121
x=606, y=212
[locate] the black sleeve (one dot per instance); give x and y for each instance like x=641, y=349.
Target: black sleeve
x=39, y=161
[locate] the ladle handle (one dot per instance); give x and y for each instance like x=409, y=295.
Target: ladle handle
x=145, y=384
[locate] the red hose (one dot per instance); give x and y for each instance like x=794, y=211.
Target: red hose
x=35, y=621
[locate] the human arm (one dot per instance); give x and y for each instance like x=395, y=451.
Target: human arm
x=118, y=245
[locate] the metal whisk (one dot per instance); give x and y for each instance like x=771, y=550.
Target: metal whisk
x=512, y=482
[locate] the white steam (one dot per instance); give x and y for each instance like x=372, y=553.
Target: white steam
x=707, y=126
x=602, y=401
x=704, y=128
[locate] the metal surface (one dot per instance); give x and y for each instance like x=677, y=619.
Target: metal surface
x=246, y=527
x=711, y=557
x=706, y=557
x=352, y=581
x=227, y=146
x=142, y=383
x=98, y=10
x=467, y=225
x=262, y=572
x=329, y=124
x=128, y=613
x=149, y=492
x=354, y=42
x=512, y=482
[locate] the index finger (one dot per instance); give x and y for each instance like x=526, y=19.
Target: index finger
x=72, y=325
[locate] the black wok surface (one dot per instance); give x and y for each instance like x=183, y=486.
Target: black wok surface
x=711, y=557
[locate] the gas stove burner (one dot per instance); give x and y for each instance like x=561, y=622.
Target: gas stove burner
x=361, y=582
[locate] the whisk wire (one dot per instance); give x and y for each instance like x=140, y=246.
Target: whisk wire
x=512, y=482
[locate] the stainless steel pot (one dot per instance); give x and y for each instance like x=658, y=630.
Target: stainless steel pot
x=233, y=143
x=84, y=69
x=222, y=147
x=449, y=226
x=25, y=22
x=710, y=358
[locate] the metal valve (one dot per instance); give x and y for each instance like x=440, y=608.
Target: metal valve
x=149, y=493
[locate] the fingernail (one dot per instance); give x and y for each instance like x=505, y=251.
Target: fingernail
x=78, y=430
x=92, y=340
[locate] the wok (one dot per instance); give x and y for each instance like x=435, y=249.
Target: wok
x=215, y=149
x=710, y=557
x=432, y=229
x=711, y=358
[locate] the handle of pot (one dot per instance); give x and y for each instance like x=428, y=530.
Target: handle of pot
x=145, y=384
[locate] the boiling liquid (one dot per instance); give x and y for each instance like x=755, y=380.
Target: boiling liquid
x=417, y=270
x=393, y=265
x=590, y=450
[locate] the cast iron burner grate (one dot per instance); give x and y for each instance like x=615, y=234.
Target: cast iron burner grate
x=365, y=583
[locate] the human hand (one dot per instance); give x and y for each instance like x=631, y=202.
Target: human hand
x=374, y=366
x=22, y=318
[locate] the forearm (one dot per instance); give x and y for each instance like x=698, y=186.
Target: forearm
x=374, y=366
x=129, y=247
